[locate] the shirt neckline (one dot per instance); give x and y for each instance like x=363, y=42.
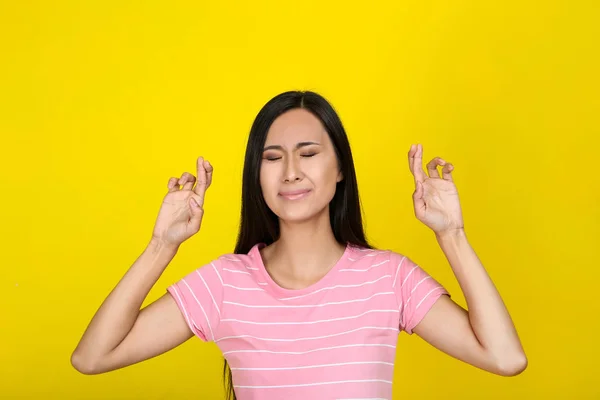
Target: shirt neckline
x=284, y=292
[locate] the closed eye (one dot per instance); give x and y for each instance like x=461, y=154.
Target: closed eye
x=275, y=158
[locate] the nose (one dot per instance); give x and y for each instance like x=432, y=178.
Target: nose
x=292, y=173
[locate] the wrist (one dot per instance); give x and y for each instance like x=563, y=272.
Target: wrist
x=158, y=246
x=451, y=235
x=453, y=243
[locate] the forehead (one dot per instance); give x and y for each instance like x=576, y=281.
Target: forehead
x=294, y=126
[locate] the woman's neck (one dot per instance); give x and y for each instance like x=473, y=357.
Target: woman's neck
x=304, y=252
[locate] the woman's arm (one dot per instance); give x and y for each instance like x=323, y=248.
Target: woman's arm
x=483, y=336
x=121, y=334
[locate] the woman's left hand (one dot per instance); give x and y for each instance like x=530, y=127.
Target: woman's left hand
x=435, y=197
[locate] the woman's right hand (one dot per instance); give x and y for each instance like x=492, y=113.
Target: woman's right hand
x=182, y=209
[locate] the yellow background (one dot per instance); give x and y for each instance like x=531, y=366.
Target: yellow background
x=101, y=102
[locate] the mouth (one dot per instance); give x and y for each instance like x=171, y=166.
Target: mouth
x=295, y=194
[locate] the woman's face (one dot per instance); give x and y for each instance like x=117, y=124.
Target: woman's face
x=299, y=169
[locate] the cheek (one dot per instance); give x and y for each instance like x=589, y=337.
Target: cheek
x=266, y=180
x=263, y=181
x=326, y=173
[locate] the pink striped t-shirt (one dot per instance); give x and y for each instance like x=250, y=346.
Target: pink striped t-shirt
x=335, y=339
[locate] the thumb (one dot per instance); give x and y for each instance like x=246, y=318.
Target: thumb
x=197, y=213
x=418, y=200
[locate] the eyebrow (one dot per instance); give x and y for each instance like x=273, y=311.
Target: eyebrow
x=298, y=145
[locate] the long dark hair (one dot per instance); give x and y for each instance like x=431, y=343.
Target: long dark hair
x=258, y=223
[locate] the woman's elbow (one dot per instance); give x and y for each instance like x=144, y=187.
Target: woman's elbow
x=512, y=366
x=83, y=364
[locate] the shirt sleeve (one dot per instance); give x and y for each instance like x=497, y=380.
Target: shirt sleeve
x=416, y=291
x=199, y=296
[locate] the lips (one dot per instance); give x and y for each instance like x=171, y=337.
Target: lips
x=295, y=194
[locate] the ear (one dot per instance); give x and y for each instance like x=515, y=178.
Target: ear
x=340, y=176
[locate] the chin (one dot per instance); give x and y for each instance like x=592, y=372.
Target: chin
x=299, y=214
x=296, y=218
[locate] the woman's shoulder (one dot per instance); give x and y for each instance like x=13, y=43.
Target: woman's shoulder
x=240, y=260
x=373, y=253
x=376, y=259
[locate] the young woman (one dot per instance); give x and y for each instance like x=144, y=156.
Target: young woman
x=304, y=307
